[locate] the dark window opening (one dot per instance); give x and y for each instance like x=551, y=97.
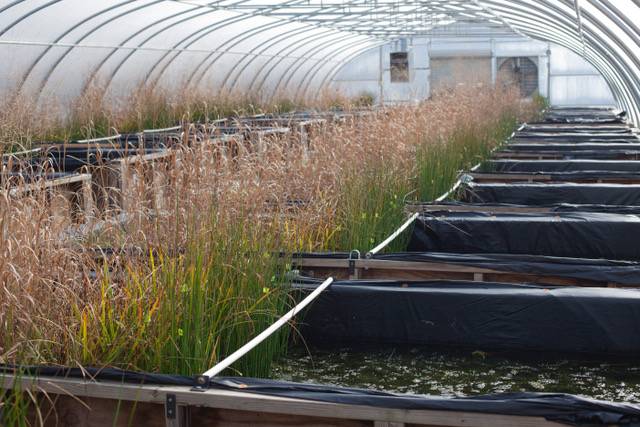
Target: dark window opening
x=521, y=73
x=399, y=67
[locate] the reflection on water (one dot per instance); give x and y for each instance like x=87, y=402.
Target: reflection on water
x=460, y=373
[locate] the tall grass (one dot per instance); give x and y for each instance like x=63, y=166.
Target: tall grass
x=189, y=283
x=97, y=114
x=416, y=153
x=440, y=162
x=371, y=207
x=181, y=314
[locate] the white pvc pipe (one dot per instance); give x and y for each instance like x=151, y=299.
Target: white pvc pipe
x=105, y=138
x=233, y=357
x=174, y=128
x=391, y=238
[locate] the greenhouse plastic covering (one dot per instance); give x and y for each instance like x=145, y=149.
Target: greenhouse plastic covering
x=61, y=46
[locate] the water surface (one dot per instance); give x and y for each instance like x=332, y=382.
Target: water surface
x=461, y=373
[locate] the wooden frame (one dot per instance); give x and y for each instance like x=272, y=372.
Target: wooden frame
x=76, y=188
x=555, y=155
x=430, y=208
x=76, y=402
x=130, y=171
x=488, y=177
x=429, y=270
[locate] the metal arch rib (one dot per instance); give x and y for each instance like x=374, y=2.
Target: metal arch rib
x=33, y=65
x=623, y=22
x=264, y=11
x=631, y=29
x=305, y=57
x=264, y=47
x=615, y=39
x=104, y=60
x=624, y=48
x=93, y=30
x=292, y=71
x=614, y=81
x=262, y=68
x=612, y=37
x=625, y=73
x=293, y=46
x=207, y=30
x=285, y=21
x=527, y=12
x=565, y=42
x=600, y=44
x=622, y=75
x=311, y=75
x=329, y=76
x=26, y=15
x=230, y=43
x=166, y=28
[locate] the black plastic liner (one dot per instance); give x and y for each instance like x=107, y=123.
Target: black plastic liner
x=560, y=165
x=558, y=207
x=571, y=235
x=480, y=316
x=576, y=136
x=73, y=159
x=576, y=128
x=623, y=141
x=578, y=154
x=559, y=407
x=618, y=272
x=545, y=194
x=573, y=176
x=602, y=119
x=581, y=146
x=585, y=115
x=625, y=273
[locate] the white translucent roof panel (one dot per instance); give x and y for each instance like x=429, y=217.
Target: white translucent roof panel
x=58, y=47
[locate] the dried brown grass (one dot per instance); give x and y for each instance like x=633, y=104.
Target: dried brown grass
x=59, y=305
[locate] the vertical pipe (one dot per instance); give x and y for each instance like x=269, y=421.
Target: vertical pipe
x=381, y=75
x=494, y=63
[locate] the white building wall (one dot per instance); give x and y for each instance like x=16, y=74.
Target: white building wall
x=370, y=73
x=563, y=77
x=574, y=81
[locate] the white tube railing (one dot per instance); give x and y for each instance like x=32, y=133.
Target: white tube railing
x=392, y=237
x=233, y=357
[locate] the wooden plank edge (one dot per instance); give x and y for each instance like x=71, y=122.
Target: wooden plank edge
x=243, y=401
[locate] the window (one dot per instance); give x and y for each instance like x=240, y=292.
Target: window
x=399, y=67
x=521, y=73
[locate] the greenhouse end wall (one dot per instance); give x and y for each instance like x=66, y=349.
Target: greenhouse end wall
x=563, y=77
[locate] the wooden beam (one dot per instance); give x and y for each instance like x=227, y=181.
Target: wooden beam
x=413, y=208
x=49, y=183
x=243, y=401
x=429, y=270
x=525, y=177
x=140, y=158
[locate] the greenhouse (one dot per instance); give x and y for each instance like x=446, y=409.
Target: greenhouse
x=377, y=213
